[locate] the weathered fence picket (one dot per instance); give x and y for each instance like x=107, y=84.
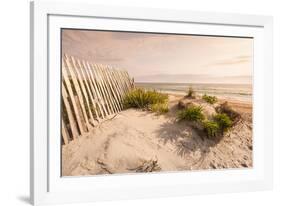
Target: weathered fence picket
x=91, y=93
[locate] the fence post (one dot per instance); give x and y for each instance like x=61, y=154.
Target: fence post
x=90, y=93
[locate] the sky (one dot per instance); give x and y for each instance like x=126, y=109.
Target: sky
x=165, y=57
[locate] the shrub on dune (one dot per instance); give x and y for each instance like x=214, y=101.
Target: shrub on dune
x=190, y=93
x=227, y=109
x=217, y=126
x=212, y=124
x=156, y=97
x=210, y=99
x=159, y=108
x=153, y=100
x=223, y=121
x=211, y=128
x=193, y=113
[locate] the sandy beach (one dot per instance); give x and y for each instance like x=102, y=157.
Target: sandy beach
x=134, y=138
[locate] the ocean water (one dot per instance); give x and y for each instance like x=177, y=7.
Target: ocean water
x=242, y=92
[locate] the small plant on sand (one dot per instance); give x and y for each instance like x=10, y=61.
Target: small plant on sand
x=211, y=128
x=225, y=108
x=193, y=113
x=210, y=99
x=223, y=121
x=159, y=108
x=140, y=98
x=220, y=124
x=190, y=93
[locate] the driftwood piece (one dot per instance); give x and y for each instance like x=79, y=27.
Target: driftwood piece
x=148, y=166
x=104, y=166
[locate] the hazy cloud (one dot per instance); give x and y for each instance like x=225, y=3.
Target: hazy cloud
x=146, y=54
x=235, y=60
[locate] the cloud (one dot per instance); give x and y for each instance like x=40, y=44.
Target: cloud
x=147, y=54
x=104, y=56
x=236, y=60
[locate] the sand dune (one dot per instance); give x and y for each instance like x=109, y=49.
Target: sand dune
x=134, y=138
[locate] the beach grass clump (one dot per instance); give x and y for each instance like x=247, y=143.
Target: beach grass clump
x=210, y=99
x=190, y=93
x=224, y=122
x=159, y=108
x=211, y=128
x=145, y=99
x=217, y=126
x=193, y=113
x=226, y=109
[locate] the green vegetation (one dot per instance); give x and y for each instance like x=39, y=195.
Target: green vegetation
x=216, y=125
x=152, y=100
x=190, y=93
x=224, y=122
x=193, y=113
x=211, y=128
x=210, y=99
x=159, y=108
x=226, y=109
x=220, y=124
x=158, y=102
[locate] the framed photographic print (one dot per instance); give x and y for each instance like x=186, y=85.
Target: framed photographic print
x=137, y=103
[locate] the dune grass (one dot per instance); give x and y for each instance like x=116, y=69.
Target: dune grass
x=211, y=128
x=147, y=99
x=224, y=108
x=193, y=113
x=219, y=124
x=210, y=99
x=190, y=93
x=223, y=121
x=159, y=108
x=158, y=103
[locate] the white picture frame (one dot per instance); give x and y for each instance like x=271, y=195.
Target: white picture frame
x=47, y=186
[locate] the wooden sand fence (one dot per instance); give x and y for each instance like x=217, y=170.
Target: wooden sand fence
x=91, y=94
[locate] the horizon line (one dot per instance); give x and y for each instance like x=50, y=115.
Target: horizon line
x=189, y=83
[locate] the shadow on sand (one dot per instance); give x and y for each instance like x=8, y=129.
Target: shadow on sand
x=186, y=139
